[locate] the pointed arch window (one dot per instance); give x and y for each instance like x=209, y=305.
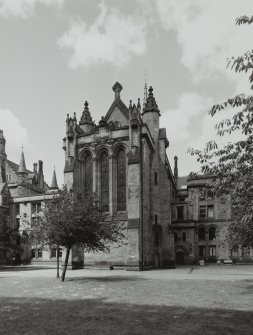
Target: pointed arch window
x=212, y=233
x=202, y=234
x=121, y=180
x=104, y=180
x=86, y=172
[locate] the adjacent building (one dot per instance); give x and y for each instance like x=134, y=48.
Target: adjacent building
x=22, y=194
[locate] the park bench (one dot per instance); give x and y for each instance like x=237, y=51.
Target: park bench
x=228, y=261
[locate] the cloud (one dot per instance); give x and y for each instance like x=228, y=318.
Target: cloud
x=207, y=33
x=24, y=8
x=14, y=133
x=182, y=122
x=113, y=38
x=190, y=126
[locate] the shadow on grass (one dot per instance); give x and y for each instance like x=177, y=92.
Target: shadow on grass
x=248, y=289
x=44, y=316
x=24, y=268
x=107, y=279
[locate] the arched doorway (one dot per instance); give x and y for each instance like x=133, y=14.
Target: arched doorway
x=180, y=257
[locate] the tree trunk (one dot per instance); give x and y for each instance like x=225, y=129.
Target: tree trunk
x=58, y=262
x=65, y=265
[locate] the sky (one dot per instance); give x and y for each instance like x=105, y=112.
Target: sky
x=55, y=54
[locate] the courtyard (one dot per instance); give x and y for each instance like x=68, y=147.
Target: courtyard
x=187, y=300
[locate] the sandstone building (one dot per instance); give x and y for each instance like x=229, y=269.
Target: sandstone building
x=168, y=219
x=22, y=193
x=123, y=159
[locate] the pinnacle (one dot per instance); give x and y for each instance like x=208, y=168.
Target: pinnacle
x=54, y=184
x=22, y=167
x=151, y=105
x=86, y=117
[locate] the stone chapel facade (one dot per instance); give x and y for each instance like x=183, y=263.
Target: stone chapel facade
x=123, y=160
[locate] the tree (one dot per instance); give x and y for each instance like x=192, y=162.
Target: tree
x=71, y=219
x=8, y=238
x=231, y=166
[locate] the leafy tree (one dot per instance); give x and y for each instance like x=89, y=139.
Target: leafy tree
x=231, y=166
x=8, y=237
x=71, y=219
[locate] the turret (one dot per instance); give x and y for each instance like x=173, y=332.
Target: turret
x=86, y=122
x=22, y=172
x=2, y=158
x=54, y=184
x=151, y=115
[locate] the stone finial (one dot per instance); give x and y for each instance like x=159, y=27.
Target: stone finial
x=86, y=117
x=74, y=117
x=102, y=122
x=54, y=184
x=151, y=105
x=67, y=118
x=22, y=167
x=130, y=104
x=139, y=103
x=117, y=88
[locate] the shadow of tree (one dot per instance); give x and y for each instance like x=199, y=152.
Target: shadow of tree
x=247, y=286
x=24, y=268
x=107, y=279
x=96, y=316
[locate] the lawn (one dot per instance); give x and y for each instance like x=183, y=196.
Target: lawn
x=211, y=300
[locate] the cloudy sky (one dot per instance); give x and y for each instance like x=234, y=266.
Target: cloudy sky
x=55, y=54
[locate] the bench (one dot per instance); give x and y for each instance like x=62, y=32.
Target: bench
x=228, y=261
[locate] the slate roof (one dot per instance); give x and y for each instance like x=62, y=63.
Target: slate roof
x=15, y=166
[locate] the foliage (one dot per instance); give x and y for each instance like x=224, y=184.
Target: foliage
x=71, y=219
x=8, y=237
x=231, y=166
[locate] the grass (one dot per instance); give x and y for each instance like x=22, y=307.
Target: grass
x=118, y=302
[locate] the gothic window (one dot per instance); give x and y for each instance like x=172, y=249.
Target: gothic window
x=86, y=173
x=212, y=233
x=180, y=212
x=39, y=253
x=104, y=180
x=184, y=236
x=212, y=250
x=201, y=233
x=53, y=252
x=202, y=251
x=121, y=181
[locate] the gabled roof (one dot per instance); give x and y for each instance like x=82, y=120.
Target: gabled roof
x=117, y=103
x=15, y=166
